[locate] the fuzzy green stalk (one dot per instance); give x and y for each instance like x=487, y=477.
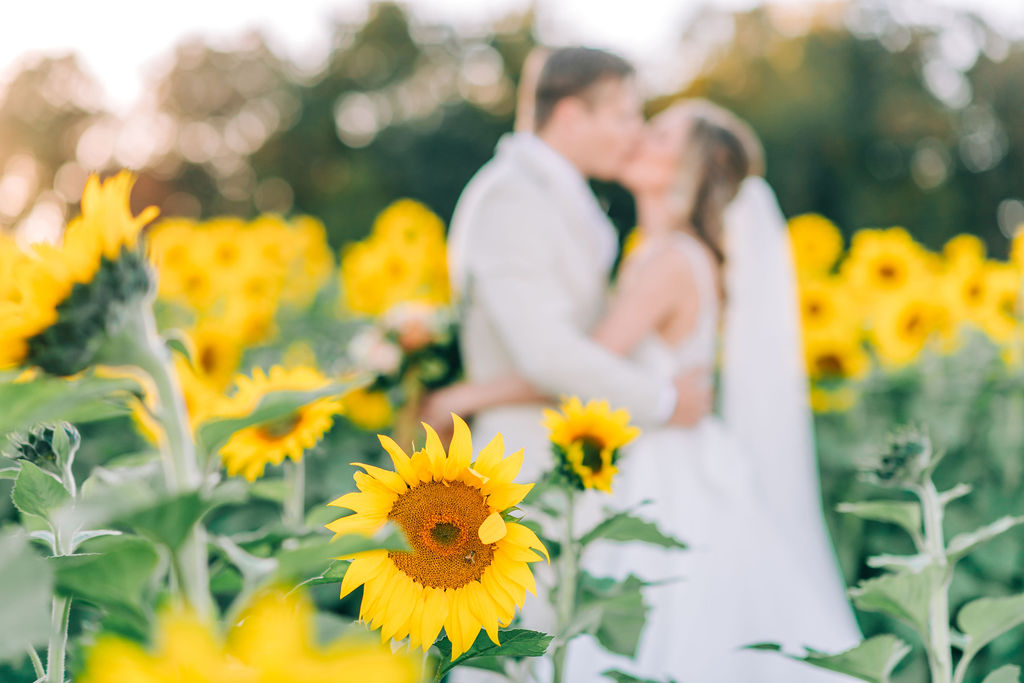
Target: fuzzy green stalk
x=568, y=575
x=407, y=420
x=139, y=344
x=37, y=664
x=60, y=611
x=295, y=496
x=937, y=640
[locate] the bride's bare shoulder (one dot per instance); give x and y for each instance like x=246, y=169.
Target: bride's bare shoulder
x=658, y=261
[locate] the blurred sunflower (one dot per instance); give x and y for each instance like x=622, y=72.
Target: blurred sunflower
x=250, y=450
x=1000, y=312
x=903, y=325
x=836, y=400
x=63, y=301
x=816, y=243
x=825, y=302
x=272, y=642
x=368, y=410
x=882, y=262
x=587, y=440
x=217, y=350
x=468, y=568
x=964, y=251
x=833, y=354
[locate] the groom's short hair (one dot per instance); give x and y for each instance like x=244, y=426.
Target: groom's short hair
x=571, y=72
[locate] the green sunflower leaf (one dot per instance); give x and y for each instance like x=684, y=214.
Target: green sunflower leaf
x=26, y=587
x=47, y=399
x=963, y=544
x=38, y=493
x=483, y=654
x=1005, y=674
x=168, y=521
x=318, y=551
x=623, y=677
x=213, y=434
x=872, y=660
x=625, y=527
x=903, y=595
x=901, y=513
x=614, y=611
x=113, y=575
x=985, y=619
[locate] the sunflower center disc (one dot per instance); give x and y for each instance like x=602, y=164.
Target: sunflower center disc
x=592, y=449
x=442, y=522
x=277, y=429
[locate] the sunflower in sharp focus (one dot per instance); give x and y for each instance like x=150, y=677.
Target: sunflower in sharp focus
x=468, y=568
x=272, y=642
x=587, y=440
x=250, y=450
x=816, y=243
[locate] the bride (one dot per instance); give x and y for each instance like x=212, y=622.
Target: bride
x=741, y=490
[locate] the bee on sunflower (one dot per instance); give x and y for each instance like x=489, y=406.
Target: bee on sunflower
x=469, y=565
x=586, y=440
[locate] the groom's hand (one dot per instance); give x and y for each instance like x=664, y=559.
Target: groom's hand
x=693, y=397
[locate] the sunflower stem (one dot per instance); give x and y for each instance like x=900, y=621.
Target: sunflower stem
x=295, y=502
x=37, y=664
x=567, y=578
x=139, y=344
x=938, y=638
x=407, y=420
x=59, y=614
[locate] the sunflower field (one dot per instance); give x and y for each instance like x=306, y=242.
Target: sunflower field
x=896, y=334
x=205, y=449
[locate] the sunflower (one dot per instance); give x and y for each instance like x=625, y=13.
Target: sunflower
x=368, y=410
x=61, y=302
x=468, y=568
x=274, y=640
x=883, y=262
x=1000, y=314
x=834, y=354
x=964, y=250
x=217, y=351
x=250, y=450
x=816, y=243
x=903, y=325
x=587, y=439
x=826, y=302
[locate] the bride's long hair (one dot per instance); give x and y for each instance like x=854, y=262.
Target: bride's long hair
x=719, y=151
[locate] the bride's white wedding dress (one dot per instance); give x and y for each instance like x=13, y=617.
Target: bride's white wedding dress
x=743, y=580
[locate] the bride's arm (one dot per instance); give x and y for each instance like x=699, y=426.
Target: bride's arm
x=648, y=291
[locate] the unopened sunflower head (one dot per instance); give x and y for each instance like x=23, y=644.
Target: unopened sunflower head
x=251, y=449
x=906, y=461
x=586, y=440
x=68, y=299
x=468, y=567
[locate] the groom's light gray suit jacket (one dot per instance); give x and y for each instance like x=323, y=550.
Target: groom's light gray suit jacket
x=527, y=258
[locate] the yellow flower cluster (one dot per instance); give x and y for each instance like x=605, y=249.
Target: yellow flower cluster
x=272, y=642
x=587, y=439
x=233, y=276
x=35, y=281
x=891, y=296
x=403, y=260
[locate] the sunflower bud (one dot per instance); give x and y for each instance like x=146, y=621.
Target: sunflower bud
x=907, y=460
x=51, y=447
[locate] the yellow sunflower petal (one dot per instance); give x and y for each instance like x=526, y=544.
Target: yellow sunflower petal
x=460, y=452
x=362, y=568
x=390, y=479
x=520, y=534
x=490, y=455
x=493, y=529
x=402, y=462
x=508, y=495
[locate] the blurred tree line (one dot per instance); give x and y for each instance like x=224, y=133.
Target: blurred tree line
x=873, y=115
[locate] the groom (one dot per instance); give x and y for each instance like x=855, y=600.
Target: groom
x=530, y=253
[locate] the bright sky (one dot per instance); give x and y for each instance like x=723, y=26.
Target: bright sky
x=121, y=40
